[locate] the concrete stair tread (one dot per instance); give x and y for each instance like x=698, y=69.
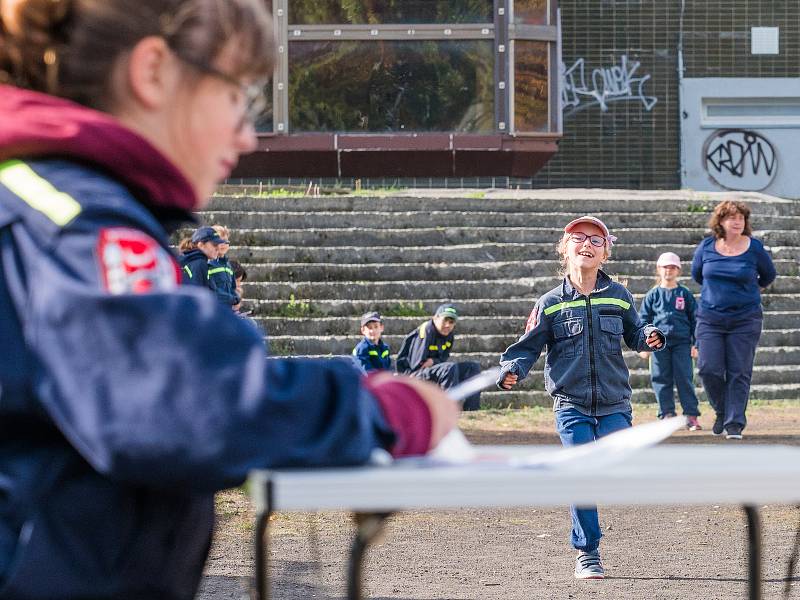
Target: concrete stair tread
x=422, y=307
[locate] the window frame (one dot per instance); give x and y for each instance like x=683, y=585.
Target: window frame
x=502, y=31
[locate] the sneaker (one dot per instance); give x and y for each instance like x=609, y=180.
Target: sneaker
x=589, y=566
x=668, y=415
x=734, y=432
x=719, y=423
x=692, y=424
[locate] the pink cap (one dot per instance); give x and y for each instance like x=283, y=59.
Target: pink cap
x=587, y=219
x=669, y=258
x=594, y=221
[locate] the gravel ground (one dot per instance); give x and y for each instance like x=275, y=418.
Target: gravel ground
x=671, y=552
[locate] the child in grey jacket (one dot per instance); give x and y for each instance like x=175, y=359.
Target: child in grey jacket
x=582, y=323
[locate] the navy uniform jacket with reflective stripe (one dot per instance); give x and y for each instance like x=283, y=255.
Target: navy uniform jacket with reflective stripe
x=194, y=268
x=116, y=428
x=371, y=356
x=222, y=282
x=584, y=368
x=421, y=344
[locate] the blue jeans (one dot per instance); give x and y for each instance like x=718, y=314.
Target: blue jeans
x=575, y=428
x=673, y=367
x=726, y=349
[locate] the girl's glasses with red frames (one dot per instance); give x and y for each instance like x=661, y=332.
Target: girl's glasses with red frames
x=596, y=240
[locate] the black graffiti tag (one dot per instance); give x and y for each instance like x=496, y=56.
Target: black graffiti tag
x=740, y=159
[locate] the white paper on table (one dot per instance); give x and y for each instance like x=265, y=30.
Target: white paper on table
x=455, y=449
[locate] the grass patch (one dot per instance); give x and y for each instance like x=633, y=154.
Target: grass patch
x=295, y=308
x=402, y=309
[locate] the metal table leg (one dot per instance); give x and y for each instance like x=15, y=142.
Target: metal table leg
x=368, y=527
x=754, y=552
x=260, y=590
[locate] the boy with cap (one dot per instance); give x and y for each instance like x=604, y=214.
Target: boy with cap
x=372, y=353
x=425, y=354
x=672, y=307
x=194, y=262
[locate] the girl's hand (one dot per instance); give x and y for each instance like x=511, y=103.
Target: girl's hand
x=654, y=340
x=693, y=352
x=426, y=364
x=509, y=381
x=644, y=354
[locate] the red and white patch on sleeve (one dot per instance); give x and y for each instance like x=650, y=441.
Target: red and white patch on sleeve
x=533, y=320
x=132, y=262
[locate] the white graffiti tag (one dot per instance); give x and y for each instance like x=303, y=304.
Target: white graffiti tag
x=607, y=84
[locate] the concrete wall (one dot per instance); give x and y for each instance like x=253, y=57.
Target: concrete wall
x=750, y=153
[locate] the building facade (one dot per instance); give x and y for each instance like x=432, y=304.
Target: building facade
x=679, y=93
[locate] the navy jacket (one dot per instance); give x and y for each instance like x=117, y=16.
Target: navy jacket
x=731, y=283
x=584, y=368
x=672, y=311
x=222, y=282
x=373, y=357
x=421, y=344
x=194, y=268
x=115, y=431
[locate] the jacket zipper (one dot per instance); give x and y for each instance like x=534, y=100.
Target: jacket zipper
x=592, y=369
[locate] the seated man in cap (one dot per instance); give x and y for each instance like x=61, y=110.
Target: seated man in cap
x=426, y=350
x=371, y=353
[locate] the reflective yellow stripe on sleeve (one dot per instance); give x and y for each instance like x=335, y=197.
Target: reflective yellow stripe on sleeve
x=385, y=354
x=38, y=193
x=373, y=353
x=613, y=301
x=433, y=347
x=188, y=271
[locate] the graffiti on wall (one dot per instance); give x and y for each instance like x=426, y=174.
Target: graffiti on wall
x=738, y=159
x=617, y=83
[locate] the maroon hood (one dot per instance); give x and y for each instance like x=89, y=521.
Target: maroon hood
x=34, y=125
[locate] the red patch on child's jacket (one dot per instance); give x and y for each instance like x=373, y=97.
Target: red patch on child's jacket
x=132, y=262
x=680, y=303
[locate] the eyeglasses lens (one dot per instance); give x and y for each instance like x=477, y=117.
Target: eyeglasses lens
x=596, y=240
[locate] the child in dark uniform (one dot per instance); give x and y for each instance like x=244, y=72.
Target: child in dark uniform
x=371, y=352
x=671, y=307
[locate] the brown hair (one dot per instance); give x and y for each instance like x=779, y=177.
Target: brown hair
x=561, y=248
x=69, y=48
x=186, y=245
x=222, y=231
x=728, y=208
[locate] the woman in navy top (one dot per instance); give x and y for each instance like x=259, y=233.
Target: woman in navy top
x=732, y=268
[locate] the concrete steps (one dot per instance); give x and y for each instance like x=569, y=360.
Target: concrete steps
x=440, y=218
x=443, y=270
x=458, y=253
x=343, y=344
x=316, y=264
x=486, y=325
x=500, y=287
x=419, y=308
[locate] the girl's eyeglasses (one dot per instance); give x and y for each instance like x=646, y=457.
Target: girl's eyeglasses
x=255, y=101
x=596, y=240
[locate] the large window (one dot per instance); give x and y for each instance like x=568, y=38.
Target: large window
x=404, y=66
